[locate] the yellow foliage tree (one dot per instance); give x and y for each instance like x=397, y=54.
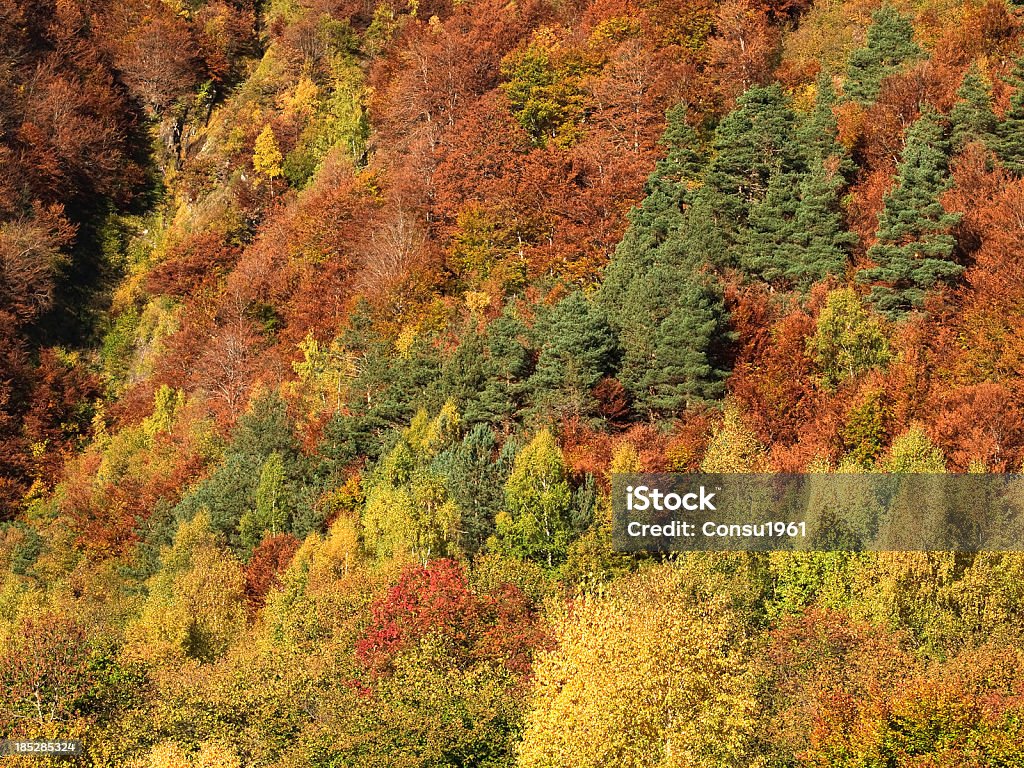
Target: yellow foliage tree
x=196, y=603
x=734, y=447
x=267, y=158
x=648, y=675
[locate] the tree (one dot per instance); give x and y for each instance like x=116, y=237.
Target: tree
x=475, y=472
x=818, y=132
x=537, y=523
x=195, y=607
x=545, y=93
x=734, y=448
x=753, y=143
x=848, y=340
x=673, y=333
x=1009, y=140
x=660, y=215
x=685, y=365
x=914, y=247
x=890, y=43
x=408, y=507
x=972, y=117
x=270, y=515
x=796, y=234
x=655, y=671
x=578, y=348
x=156, y=53
x=913, y=451
x=266, y=156
x=44, y=670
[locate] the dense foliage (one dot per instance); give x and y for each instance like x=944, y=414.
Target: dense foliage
x=324, y=324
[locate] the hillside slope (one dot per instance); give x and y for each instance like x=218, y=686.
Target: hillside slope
x=323, y=326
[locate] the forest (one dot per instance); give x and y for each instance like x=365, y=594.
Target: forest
x=325, y=323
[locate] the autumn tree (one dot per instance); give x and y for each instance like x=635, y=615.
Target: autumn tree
x=641, y=676
x=848, y=340
x=537, y=520
x=45, y=671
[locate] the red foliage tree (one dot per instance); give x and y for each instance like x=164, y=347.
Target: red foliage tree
x=268, y=560
x=438, y=601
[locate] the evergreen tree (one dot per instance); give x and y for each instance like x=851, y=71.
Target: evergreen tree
x=914, y=249
x=818, y=133
x=673, y=334
x=796, y=235
x=578, y=349
x=767, y=246
x=684, y=369
x=475, y=473
x=1009, y=141
x=507, y=366
x=263, y=447
x=972, y=116
x=821, y=234
x=890, y=43
x=752, y=143
x=661, y=214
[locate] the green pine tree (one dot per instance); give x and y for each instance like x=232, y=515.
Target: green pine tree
x=767, y=246
x=507, y=366
x=660, y=215
x=687, y=347
x=890, y=43
x=752, y=143
x=475, y=472
x=821, y=234
x=674, y=331
x=1009, y=141
x=578, y=348
x=914, y=249
x=818, y=133
x=972, y=116
x=796, y=235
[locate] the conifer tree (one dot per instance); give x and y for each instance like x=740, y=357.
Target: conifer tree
x=686, y=350
x=795, y=235
x=824, y=241
x=475, y=472
x=507, y=365
x=751, y=144
x=674, y=330
x=578, y=349
x=661, y=214
x=1009, y=141
x=972, y=116
x=767, y=246
x=914, y=249
x=818, y=133
x=890, y=43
